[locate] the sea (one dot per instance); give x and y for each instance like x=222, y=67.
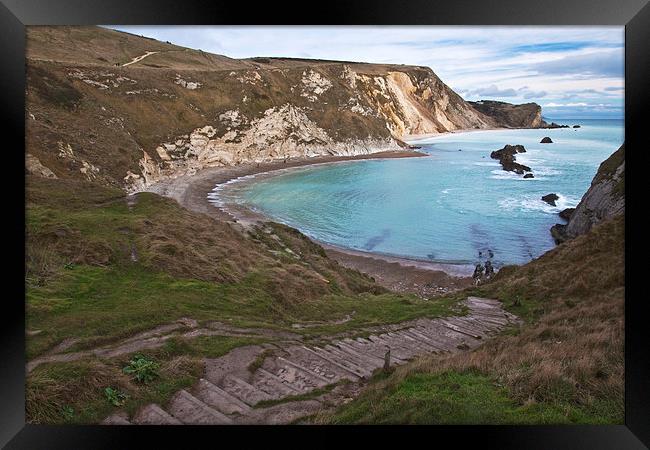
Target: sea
x=455, y=206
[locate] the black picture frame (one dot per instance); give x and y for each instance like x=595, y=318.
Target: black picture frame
x=16, y=14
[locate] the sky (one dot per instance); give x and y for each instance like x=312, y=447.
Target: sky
x=573, y=72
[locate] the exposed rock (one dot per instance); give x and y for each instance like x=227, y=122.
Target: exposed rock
x=529, y=175
x=550, y=199
x=506, y=157
x=576, y=126
x=528, y=115
x=604, y=199
x=554, y=125
x=558, y=233
x=567, y=213
x=546, y=140
x=34, y=167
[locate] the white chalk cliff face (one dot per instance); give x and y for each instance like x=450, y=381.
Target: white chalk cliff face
x=403, y=102
x=281, y=133
x=170, y=111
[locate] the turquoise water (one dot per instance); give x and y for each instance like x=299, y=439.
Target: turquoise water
x=446, y=207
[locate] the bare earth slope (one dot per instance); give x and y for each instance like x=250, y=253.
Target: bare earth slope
x=129, y=111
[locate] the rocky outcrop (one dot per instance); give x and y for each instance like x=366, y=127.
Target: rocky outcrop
x=528, y=115
x=553, y=125
x=546, y=140
x=34, y=167
x=567, y=213
x=506, y=157
x=551, y=199
x=604, y=199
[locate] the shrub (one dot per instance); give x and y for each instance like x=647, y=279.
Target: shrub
x=142, y=368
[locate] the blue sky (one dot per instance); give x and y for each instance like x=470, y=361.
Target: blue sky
x=573, y=72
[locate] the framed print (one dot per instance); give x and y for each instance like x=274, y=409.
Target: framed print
x=376, y=221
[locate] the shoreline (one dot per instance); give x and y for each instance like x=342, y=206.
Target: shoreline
x=399, y=274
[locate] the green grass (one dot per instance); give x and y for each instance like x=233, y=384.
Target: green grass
x=99, y=305
x=75, y=392
x=457, y=398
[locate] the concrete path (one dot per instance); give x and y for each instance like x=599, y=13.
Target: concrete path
x=258, y=384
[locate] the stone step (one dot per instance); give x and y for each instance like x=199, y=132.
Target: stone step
x=371, y=360
x=273, y=385
x=350, y=369
x=438, y=335
x=378, y=350
x=368, y=349
x=437, y=346
x=293, y=376
x=487, y=324
x=317, y=364
x=409, y=342
x=192, y=411
x=462, y=330
x=484, y=301
x=243, y=391
x=219, y=399
x=153, y=414
x=345, y=360
x=116, y=419
x=467, y=325
x=349, y=359
x=489, y=312
x=386, y=344
x=398, y=346
x=318, y=378
x=424, y=345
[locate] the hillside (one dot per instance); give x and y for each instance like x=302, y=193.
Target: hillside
x=128, y=111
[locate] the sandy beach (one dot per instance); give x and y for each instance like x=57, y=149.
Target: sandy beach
x=423, y=278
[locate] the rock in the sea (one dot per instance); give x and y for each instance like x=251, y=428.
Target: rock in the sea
x=546, y=140
x=550, y=199
x=555, y=125
x=576, y=126
x=506, y=157
x=529, y=175
x=567, y=213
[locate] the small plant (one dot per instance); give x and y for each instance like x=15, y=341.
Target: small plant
x=143, y=369
x=115, y=397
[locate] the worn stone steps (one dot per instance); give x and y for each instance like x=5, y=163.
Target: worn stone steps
x=192, y=411
x=153, y=414
x=317, y=364
x=229, y=392
x=243, y=391
x=351, y=369
x=219, y=399
x=273, y=385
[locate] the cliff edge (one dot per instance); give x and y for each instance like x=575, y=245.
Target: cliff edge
x=604, y=199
